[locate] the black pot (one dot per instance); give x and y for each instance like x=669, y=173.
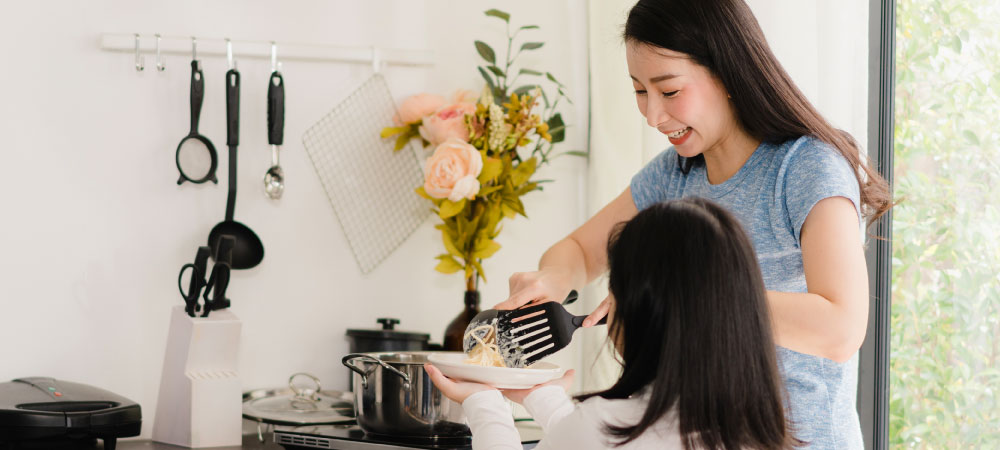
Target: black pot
x=386, y=339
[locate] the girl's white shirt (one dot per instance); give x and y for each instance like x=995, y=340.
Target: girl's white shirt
x=566, y=425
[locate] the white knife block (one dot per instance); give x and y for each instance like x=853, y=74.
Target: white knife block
x=200, y=402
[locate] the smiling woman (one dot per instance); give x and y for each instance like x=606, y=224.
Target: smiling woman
x=745, y=136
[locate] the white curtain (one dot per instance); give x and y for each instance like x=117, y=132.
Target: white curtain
x=825, y=50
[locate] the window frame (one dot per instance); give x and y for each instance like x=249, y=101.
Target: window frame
x=873, y=363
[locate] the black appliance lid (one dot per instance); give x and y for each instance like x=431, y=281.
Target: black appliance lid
x=51, y=403
x=388, y=332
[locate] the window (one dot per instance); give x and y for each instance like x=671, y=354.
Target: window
x=944, y=361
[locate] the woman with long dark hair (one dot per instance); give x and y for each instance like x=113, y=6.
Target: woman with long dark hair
x=689, y=318
x=744, y=136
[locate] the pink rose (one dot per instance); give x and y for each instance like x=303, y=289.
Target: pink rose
x=452, y=171
x=447, y=122
x=416, y=107
x=464, y=96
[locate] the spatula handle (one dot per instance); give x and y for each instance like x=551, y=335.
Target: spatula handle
x=578, y=321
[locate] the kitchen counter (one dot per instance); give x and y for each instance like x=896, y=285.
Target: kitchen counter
x=249, y=442
x=528, y=430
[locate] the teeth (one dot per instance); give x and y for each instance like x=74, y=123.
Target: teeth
x=678, y=134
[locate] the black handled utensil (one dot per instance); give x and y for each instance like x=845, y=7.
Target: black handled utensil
x=219, y=280
x=197, y=282
x=196, y=157
x=248, y=251
x=540, y=330
x=511, y=352
x=274, y=179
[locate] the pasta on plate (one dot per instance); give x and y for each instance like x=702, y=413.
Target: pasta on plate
x=487, y=352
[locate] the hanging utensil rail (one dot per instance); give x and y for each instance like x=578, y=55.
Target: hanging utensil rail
x=261, y=49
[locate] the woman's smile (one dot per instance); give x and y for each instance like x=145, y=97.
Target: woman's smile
x=680, y=136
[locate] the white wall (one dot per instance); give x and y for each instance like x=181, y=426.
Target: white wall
x=93, y=227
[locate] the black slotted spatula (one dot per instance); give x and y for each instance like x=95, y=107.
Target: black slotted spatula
x=540, y=330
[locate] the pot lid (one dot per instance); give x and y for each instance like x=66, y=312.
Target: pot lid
x=295, y=405
x=388, y=331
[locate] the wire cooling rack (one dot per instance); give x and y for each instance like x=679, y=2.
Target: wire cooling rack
x=370, y=187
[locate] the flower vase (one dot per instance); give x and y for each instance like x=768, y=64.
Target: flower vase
x=455, y=333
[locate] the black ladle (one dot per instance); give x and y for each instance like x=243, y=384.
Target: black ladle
x=197, y=96
x=248, y=251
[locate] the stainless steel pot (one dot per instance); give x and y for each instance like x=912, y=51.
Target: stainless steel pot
x=394, y=396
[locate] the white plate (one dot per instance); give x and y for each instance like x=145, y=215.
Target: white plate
x=453, y=365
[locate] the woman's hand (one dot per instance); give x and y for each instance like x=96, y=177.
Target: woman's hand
x=455, y=390
x=518, y=395
x=536, y=287
x=599, y=312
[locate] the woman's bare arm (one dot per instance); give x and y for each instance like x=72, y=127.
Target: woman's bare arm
x=830, y=320
x=573, y=261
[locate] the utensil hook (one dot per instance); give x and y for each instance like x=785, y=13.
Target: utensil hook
x=274, y=56
x=194, y=48
x=139, y=59
x=376, y=60
x=160, y=64
x=229, y=54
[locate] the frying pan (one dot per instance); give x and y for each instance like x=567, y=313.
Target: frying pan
x=192, y=149
x=248, y=251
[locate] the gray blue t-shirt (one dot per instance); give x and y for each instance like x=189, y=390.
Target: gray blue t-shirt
x=771, y=195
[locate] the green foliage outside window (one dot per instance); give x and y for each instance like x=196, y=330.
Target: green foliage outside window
x=945, y=345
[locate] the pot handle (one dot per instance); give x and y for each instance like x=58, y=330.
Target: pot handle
x=348, y=362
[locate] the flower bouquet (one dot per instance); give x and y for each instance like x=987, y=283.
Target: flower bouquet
x=486, y=149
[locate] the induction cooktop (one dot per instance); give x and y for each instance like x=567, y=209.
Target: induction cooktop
x=351, y=437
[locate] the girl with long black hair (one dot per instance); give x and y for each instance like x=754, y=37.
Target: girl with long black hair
x=689, y=318
x=744, y=136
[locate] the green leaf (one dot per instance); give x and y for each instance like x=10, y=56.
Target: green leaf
x=524, y=171
x=514, y=204
x=971, y=137
x=577, y=153
x=390, y=131
x=526, y=188
x=496, y=71
x=479, y=269
x=557, y=128
x=492, y=167
x=450, y=208
x=529, y=72
x=956, y=44
x=448, y=264
x=563, y=94
x=423, y=193
x=483, y=192
x=552, y=78
x=499, y=14
x=507, y=210
x=486, y=76
x=486, y=52
x=401, y=142
x=526, y=89
x=529, y=27
x=531, y=45
x=485, y=248
x=449, y=243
